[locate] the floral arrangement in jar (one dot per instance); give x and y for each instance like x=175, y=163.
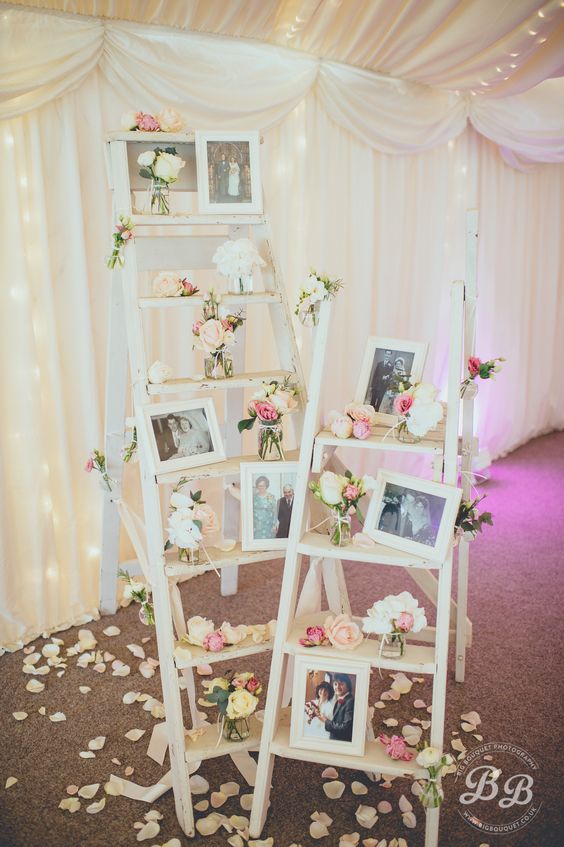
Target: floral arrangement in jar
x=214, y=333
x=167, y=120
x=122, y=234
x=356, y=421
x=237, y=697
x=162, y=167
x=313, y=291
x=469, y=521
x=140, y=593
x=268, y=406
x=480, y=370
x=342, y=494
x=340, y=631
x=190, y=518
x=434, y=761
x=167, y=284
x=392, y=618
x=419, y=411
x=236, y=260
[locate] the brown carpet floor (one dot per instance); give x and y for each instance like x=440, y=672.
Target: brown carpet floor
x=513, y=681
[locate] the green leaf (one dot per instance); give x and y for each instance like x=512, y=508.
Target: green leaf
x=168, y=545
x=196, y=496
x=245, y=424
x=348, y=474
x=146, y=173
x=199, y=525
x=171, y=150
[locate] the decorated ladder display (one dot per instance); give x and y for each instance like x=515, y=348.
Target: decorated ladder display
x=323, y=656
x=181, y=443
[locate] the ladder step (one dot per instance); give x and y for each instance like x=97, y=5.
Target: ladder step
x=225, y=468
x=183, y=302
x=228, y=654
x=195, y=220
x=221, y=559
x=245, y=380
x=383, y=439
x=206, y=746
x=316, y=544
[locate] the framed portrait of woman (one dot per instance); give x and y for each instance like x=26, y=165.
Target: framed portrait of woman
x=228, y=165
x=184, y=434
x=329, y=705
x=267, y=500
x=412, y=514
x=387, y=364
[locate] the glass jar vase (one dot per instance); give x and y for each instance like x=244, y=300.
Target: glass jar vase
x=404, y=435
x=219, y=365
x=393, y=645
x=339, y=529
x=190, y=555
x=241, y=284
x=159, y=197
x=270, y=441
x=236, y=729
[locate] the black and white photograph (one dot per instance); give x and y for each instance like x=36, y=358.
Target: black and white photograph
x=412, y=514
x=267, y=500
x=328, y=705
x=228, y=172
x=184, y=434
x=388, y=367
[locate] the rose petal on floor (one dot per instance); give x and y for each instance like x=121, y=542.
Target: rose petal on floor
x=146, y=670
x=209, y=825
x=135, y=734
x=404, y=804
x=322, y=817
x=419, y=704
x=153, y=815
x=359, y=788
x=366, y=816
x=318, y=830
x=217, y=799
x=137, y=650
x=100, y=667
x=70, y=804
x=97, y=743
x=57, y=717
x=265, y=842
x=379, y=705
x=401, y=683
x=84, y=689
x=409, y=820
x=384, y=807
x=202, y=806
x=10, y=781
x=114, y=788
x=129, y=770
x=349, y=839
x=239, y=822
x=390, y=722
x=111, y=631
x=19, y=716
x=329, y=773
x=35, y=687
x=150, y=830
x=87, y=754
x=204, y=670
x=199, y=785
x=246, y=801
x=87, y=792
x=230, y=789
x=334, y=789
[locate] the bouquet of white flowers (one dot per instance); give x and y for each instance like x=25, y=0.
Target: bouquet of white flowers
x=432, y=759
x=315, y=289
x=237, y=260
x=162, y=168
x=418, y=409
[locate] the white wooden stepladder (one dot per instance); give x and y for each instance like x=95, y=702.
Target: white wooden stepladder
x=424, y=659
x=153, y=250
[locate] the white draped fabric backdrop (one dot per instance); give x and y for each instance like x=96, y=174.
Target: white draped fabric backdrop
x=365, y=177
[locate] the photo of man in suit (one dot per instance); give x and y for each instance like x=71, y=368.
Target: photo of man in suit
x=380, y=378
x=285, y=504
x=166, y=429
x=222, y=174
x=340, y=726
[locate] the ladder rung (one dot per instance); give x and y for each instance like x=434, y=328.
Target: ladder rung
x=221, y=559
x=383, y=439
x=183, y=302
x=316, y=544
x=206, y=746
x=245, y=380
x=195, y=220
x=225, y=468
x=228, y=654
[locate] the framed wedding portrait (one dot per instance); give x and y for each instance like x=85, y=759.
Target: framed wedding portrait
x=413, y=514
x=267, y=500
x=228, y=166
x=329, y=705
x=184, y=434
x=386, y=364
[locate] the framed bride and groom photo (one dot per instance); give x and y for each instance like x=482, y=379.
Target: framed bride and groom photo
x=184, y=434
x=388, y=365
x=228, y=165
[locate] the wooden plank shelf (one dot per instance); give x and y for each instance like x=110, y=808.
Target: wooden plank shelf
x=254, y=299
x=316, y=544
x=189, y=219
x=245, y=380
x=200, y=656
x=206, y=746
x=220, y=559
x=155, y=137
x=383, y=439
x=226, y=468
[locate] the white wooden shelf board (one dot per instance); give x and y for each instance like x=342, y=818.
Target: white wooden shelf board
x=205, y=746
x=228, y=654
x=245, y=380
x=383, y=439
x=255, y=298
x=226, y=468
x=317, y=544
x=156, y=137
x=195, y=220
x=220, y=559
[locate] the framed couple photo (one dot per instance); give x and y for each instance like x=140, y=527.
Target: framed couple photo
x=386, y=364
x=229, y=172
x=267, y=501
x=184, y=434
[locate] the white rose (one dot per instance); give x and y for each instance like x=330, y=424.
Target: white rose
x=309, y=284
x=283, y=401
x=129, y=120
x=424, y=416
x=419, y=620
x=233, y=634
x=134, y=587
x=317, y=292
x=180, y=501
x=168, y=166
x=241, y=704
x=342, y=427
x=331, y=488
x=182, y=530
x=429, y=757
x=146, y=159
x=198, y=628
x=167, y=285
x=424, y=391
x=159, y=372
x=170, y=120
x=379, y=619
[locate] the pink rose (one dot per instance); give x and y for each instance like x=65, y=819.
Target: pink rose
x=211, y=335
x=167, y=285
x=343, y=633
x=315, y=636
x=253, y=684
x=361, y=429
x=196, y=327
x=147, y=123
x=225, y=324
x=265, y=411
x=188, y=287
x=396, y=747
x=126, y=234
x=350, y=492
x=474, y=366
x=403, y=403
x=405, y=622
x=361, y=412
x=89, y=465
x=214, y=641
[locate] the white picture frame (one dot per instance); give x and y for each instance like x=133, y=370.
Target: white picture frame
x=203, y=432
x=412, y=514
x=275, y=512
x=308, y=733
x=235, y=189
x=371, y=386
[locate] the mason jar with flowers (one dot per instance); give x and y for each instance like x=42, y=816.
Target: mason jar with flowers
x=392, y=618
x=214, y=333
x=342, y=493
x=435, y=762
x=237, y=260
x=236, y=697
x=269, y=405
x=162, y=167
x=189, y=520
x=418, y=410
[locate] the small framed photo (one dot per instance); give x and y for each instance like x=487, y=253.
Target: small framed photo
x=229, y=172
x=184, y=434
x=267, y=501
x=329, y=705
x=386, y=363
x=412, y=514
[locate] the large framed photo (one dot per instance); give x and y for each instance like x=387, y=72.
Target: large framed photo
x=386, y=363
x=184, y=434
x=412, y=514
x=267, y=500
x=329, y=705
x=229, y=172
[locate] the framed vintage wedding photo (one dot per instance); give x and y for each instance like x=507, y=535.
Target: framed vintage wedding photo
x=412, y=514
x=184, y=434
x=386, y=362
x=267, y=500
x=229, y=172
x=329, y=704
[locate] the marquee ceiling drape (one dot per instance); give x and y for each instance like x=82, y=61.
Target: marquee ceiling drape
x=342, y=194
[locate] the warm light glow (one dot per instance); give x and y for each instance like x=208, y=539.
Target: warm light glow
x=18, y=293
x=47, y=504
x=540, y=13
x=51, y=573
x=541, y=40
x=483, y=83
x=26, y=217
x=23, y=181
x=514, y=54
x=450, y=144
x=532, y=32
x=512, y=65
x=9, y=140
x=93, y=552
x=499, y=70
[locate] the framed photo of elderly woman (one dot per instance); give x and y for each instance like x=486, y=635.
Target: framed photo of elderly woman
x=329, y=705
x=412, y=514
x=267, y=500
x=184, y=434
x=387, y=364
x=228, y=166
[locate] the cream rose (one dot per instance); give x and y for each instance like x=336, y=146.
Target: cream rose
x=211, y=336
x=361, y=412
x=429, y=757
x=180, y=501
x=170, y=120
x=146, y=159
x=129, y=120
x=168, y=166
x=423, y=416
x=331, y=488
x=207, y=517
x=233, y=634
x=342, y=427
x=343, y=633
x=218, y=682
x=198, y=628
x=167, y=285
x=159, y=372
x=241, y=704
x=283, y=401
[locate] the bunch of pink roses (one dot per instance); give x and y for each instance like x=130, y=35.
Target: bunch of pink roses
x=168, y=120
x=216, y=330
x=357, y=420
x=479, y=369
x=340, y=631
x=122, y=234
x=396, y=747
x=270, y=403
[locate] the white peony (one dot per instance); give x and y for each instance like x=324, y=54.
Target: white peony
x=283, y=401
x=182, y=530
x=129, y=120
x=237, y=258
x=317, y=292
x=383, y=613
x=170, y=120
x=429, y=757
x=168, y=166
x=342, y=426
x=159, y=372
x=180, y=501
x=424, y=391
x=166, y=284
x=198, y=628
x=423, y=416
x=310, y=283
x=331, y=488
x=146, y=159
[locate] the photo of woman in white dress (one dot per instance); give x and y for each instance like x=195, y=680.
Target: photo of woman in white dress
x=233, y=187
x=193, y=434
x=324, y=703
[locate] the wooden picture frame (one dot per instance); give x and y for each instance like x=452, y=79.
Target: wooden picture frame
x=257, y=517
x=228, y=165
x=168, y=442
x=378, y=364
x=412, y=514
x=308, y=732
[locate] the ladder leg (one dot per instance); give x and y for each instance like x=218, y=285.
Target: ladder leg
x=432, y=827
x=462, y=606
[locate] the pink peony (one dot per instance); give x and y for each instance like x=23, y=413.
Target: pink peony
x=361, y=429
x=315, y=636
x=396, y=747
x=343, y=633
x=253, y=684
x=265, y=411
x=89, y=465
x=405, y=622
x=147, y=123
x=214, y=641
x=188, y=287
x=403, y=403
x=225, y=324
x=350, y=492
x=474, y=366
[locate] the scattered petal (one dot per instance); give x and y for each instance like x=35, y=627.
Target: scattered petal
x=129, y=770
x=401, y=684
x=94, y=808
x=472, y=718
x=149, y=830
x=57, y=717
x=137, y=651
x=318, y=830
x=425, y=724
x=384, y=807
x=35, y=687
x=202, y=806
x=359, y=788
x=416, y=788
x=409, y=820
x=488, y=758
x=390, y=722
x=32, y=659
x=329, y=773
x=153, y=815
x=29, y=649
x=130, y=697
x=10, y=781
x=112, y=630
x=89, y=791
x=350, y=839
x=121, y=670
x=217, y=799
x=172, y=842
x=146, y=670
x=84, y=689
x=412, y=734
x=114, y=787
x=322, y=817
x=236, y=841
x=99, y=668
x=246, y=801
x=366, y=816
x=108, y=657
x=86, y=639
x=373, y=842
x=72, y=789
x=135, y=734
x=404, y=804
x=209, y=825
x=199, y=785
x=334, y=789
x=239, y=822
x=19, y=716
x=378, y=705
x=230, y=789
x=97, y=743
x=87, y=754
x=478, y=737
x=419, y=704
x=204, y=670
x=70, y=804
x=456, y=744
x=265, y=842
